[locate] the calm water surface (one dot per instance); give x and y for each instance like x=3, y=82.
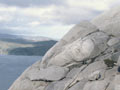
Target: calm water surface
x=12, y=66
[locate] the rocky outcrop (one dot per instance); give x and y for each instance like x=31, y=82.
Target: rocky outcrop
x=109, y=21
x=52, y=73
x=86, y=58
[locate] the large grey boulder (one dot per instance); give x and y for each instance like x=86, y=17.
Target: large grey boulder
x=79, y=31
x=82, y=49
x=52, y=73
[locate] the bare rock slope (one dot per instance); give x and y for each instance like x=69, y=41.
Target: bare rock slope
x=86, y=58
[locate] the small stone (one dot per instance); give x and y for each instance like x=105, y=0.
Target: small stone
x=94, y=76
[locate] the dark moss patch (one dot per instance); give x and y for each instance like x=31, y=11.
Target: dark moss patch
x=115, y=50
x=109, y=62
x=111, y=35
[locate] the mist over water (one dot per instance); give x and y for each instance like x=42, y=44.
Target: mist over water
x=12, y=66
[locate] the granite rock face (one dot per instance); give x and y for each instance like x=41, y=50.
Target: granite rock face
x=109, y=21
x=52, y=73
x=86, y=58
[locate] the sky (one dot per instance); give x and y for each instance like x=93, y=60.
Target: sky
x=49, y=18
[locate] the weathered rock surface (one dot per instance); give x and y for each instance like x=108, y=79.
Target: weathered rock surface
x=52, y=73
x=96, y=85
x=118, y=62
x=109, y=21
x=77, y=32
x=113, y=41
x=81, y=49
x=86, y=58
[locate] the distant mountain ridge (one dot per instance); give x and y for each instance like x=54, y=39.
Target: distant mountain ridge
x=24, y=45
x=24, y=37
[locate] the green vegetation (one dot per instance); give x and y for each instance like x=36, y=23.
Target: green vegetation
x=109, y=62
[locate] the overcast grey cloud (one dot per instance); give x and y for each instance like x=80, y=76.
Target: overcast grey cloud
x=26, y=3
x=52, y=18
